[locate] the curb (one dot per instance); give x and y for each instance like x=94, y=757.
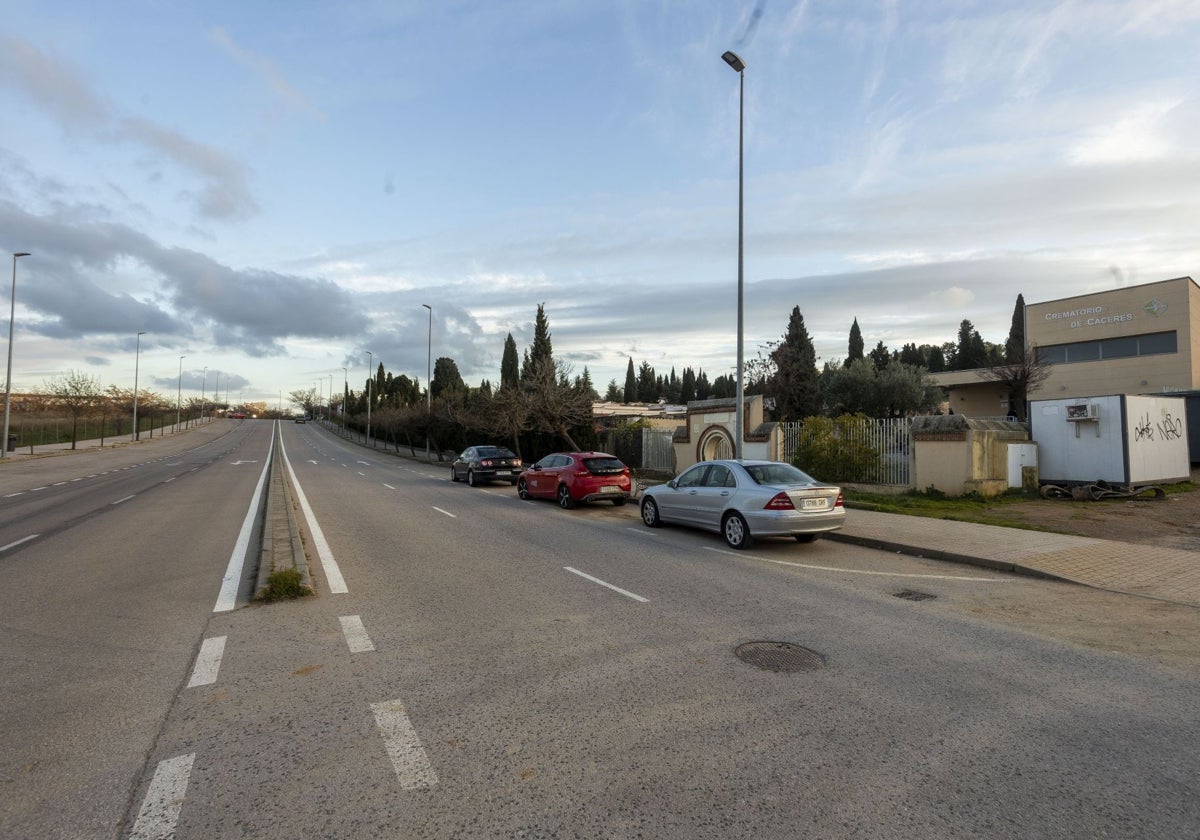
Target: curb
x=947, y=556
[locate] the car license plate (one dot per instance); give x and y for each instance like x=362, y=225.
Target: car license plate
x=813, y=504
x=503, y=472
x=610, y=488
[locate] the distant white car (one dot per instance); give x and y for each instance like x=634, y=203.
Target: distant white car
x=742, y=500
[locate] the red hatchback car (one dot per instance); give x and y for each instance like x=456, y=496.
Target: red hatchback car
x=573, y=477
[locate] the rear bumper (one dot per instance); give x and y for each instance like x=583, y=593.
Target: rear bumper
x=606, y=497
x=790, y=523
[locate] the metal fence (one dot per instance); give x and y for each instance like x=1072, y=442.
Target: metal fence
x=890, y=437
x=658, y=450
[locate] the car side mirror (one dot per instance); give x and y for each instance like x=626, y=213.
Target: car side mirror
x=537, y=467
x=673, y=484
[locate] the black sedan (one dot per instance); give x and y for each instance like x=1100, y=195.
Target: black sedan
x=478, y=464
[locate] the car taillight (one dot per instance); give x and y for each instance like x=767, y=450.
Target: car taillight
x=781, y=501
x=486, y=462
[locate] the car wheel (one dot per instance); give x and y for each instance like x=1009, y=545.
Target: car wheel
x=453, y=474
x=522, y=489
x=620, y=501
x=650, y=513
x=806, y=538
x=471, y=477
x=564, y=498
x=736, y=531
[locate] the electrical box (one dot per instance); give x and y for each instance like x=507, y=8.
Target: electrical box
x=1083, y=412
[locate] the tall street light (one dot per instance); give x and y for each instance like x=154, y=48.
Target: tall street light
x=345, y=394
x=203, y=389
x=179, y=393
x=329, y=410
x=739, y=66
x=137, y=357
x=12, y=309
x=428, y=379
x=217, y=390
x=370, y=379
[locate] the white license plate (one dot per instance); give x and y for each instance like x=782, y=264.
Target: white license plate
x=813, y=504
x=610, y=488
x=503, y=472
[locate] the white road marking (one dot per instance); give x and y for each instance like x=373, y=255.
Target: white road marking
x=609, y=585
x=744, y=556
x=360, y=472
x=448, y=513
x=356, y=634
x=403, y=746
x=388, y=486
x=208, y=662
x=10, y=495
x=227, y=597
x=169, y=480
x=126, y=499
x=160, y=809
x=35, y=489
x=333, y=573
x=58, y=484
x=18, y=542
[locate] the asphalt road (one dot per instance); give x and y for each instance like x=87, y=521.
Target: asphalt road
x=499, y=668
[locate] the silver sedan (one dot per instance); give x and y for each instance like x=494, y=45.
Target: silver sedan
x=742, y=500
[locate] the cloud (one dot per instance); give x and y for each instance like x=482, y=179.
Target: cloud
x=63, y=94
x=1139, y=135
x=269, y=74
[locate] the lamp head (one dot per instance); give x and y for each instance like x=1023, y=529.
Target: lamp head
x=20, y=254
x=731, y=58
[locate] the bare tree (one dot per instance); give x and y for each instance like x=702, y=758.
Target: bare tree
x=79, y=393
x=1020, y=377
x=554, y=405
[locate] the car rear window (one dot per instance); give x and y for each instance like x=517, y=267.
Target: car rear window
x=603, y=466
x=494, y=452
x=778, y=474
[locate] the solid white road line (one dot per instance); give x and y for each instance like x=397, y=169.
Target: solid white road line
x=403, y=746
x=448, y=513
x=126, y=499
x=744, y=556
x=164, y=800
x=208, y=662
x=356, y=634
x=18, y=542
x=609, y=585
x=227, y=597
x=333, y=572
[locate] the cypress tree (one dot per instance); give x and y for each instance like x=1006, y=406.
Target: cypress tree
x=631, y=385
x=510, y=370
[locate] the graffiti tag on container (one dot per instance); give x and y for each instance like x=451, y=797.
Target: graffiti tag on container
x=1170, y=428
x=1144, y=430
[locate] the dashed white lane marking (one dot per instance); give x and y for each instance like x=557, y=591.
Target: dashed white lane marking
x=744, y=556
x=18, y=542
x=448, y=513
x=208, y=662
x=356, y=634
x=388, y=486
x=624, y=592
x=126, y=499
x=160, y=809
x=403, y=746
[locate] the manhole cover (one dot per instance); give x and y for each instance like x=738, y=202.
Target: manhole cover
x=782, y=657
x=914, y=595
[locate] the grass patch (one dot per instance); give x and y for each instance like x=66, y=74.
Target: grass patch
x=935, y=505
x=285, y=584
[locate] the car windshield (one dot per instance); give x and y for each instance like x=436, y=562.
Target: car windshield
x=778, y=474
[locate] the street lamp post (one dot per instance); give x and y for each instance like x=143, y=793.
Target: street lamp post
x=217, y=390
x=428, y=379
x=739, y=66
x=12, y=310
x=345, y=394
x=370, y=379
x=179, y=393
x=203, y=390
x=329, y=410
x=137, y=357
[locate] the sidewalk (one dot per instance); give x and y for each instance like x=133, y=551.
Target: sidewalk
x=1162, y=573
x=22, y=453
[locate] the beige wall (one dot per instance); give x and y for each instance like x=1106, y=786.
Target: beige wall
x=1149, y=308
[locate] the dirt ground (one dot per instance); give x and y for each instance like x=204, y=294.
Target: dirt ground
x=1173, y=522
x=1163, y=632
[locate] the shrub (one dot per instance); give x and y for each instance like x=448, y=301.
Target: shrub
x=285, y=583
x=836, y=449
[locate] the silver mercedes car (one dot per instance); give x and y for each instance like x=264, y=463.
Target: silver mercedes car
x=742, y=500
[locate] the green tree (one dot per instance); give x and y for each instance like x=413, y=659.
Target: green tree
x=794, y=384
x=447, y=381
x=687, y=386
x=510, y=369
x=614, y=392
x=880, y=356
x=631, y=383
x=1014, y=345
x=969, y=351
x=856, y=343
x=647, y=384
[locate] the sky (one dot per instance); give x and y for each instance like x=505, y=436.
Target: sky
x=274, y=192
